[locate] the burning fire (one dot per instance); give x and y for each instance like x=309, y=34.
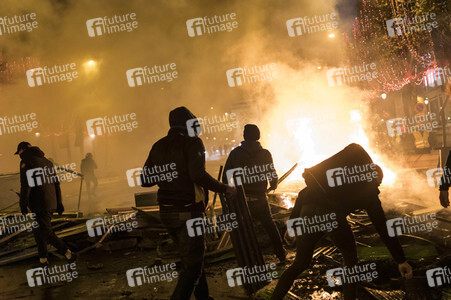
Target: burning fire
x=314, y=142
x=288, y=200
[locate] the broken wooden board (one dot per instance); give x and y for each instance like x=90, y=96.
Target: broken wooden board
x=22, y=255
x=386, y=295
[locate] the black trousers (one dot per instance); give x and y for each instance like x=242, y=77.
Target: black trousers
x=259, y=210
x=45, y=235
x=342, y=237
x=192, y=250
x=91, y=180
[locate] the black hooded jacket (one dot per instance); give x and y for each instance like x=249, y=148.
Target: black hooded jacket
x=251, y=156
x=43, y=193
x=187, y=190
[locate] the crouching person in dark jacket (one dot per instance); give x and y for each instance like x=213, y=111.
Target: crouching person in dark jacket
x=40, y=192
x=329, y=197
x=176, y=163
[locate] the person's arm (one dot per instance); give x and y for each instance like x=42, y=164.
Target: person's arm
x=273, y=179
x=24, y=189
x=59, y=198
x=377, y=217
x=296, y=212
x=228, y=165
x=196, y=167
x=147, y=165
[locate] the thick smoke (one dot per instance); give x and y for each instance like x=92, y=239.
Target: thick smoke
x=299, y=97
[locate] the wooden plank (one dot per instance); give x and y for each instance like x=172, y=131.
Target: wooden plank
x=26, y=254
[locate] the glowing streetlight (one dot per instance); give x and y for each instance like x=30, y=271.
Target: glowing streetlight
x=37, y=134
x=426, y=101
x=332, y=35
x=384, y=96
x=90, y=66
x=92, y=136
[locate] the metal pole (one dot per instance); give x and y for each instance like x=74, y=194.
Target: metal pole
x=443, y=155
x=79, y=194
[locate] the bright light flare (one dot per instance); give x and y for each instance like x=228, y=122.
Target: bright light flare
x=90, y=66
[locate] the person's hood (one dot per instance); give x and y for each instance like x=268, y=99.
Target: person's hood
x=32, y=151
x=179, y=117
x=251, y=146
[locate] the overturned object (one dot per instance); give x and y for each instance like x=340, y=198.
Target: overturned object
x=345, y=176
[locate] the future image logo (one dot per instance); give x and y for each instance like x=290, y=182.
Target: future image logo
x=350, y=275
x=16, y=24
x=251, y=74
x=51, y=275
x=351, y=75
x=308, y=25
x=150, y=75
x=235, y=177
x=18, y=123
x=99, y=226
x=434, y=176
x=110, y=25
x=149, y=275
x=194, y=128
x=49, y=175
x=438, y=276
x=210, y=25
x=412, y=225
x=402, y=26
x=111, y=125
x=49, y=75
x=253, y=274
x=312, y=224
x=235, y=77
x=199, y=226
x=351, y=174
x=395, y=26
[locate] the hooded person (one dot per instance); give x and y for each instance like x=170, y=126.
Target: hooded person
x=41, y=193
x=255, y=167
x=176, y=163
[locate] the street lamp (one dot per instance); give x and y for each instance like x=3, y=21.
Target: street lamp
x=90, y=66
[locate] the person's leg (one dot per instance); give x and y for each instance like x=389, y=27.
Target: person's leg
x=94, y=188
x=305, y=245
x=201, y=291
x=260, y=211
x=50, y=234
x=343, y=238
x=88, y=186
x=191, y=251
x=40, y=236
